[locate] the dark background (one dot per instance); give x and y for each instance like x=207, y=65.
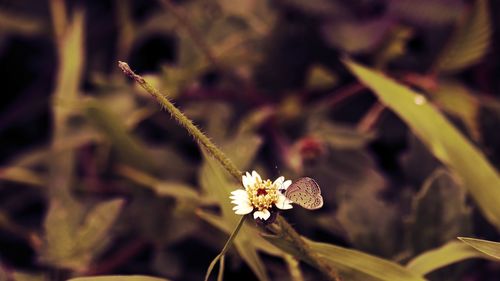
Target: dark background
x=285, y=70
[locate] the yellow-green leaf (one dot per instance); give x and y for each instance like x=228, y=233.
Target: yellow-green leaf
x=128, y=148
x=447, y=254
x=456, y=99
x=73, y=238
x=364, y=264
x=352, y=265
x=484, y=246
x=320, y=77
x=470, y=42
x=445, y=142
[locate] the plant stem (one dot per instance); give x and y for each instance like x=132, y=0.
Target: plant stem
x=183, y=121
x=220, y=256
x=286, y=229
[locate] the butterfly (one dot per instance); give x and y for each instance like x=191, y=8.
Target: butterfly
x=306, y=193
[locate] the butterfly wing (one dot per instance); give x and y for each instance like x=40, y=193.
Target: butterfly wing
x=306, y=193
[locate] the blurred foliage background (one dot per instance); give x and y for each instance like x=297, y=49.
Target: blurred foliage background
x=96, y=180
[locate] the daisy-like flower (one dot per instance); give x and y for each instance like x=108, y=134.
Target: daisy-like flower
x=259, y=196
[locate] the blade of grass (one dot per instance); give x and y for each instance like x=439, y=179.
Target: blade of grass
x=447, y=254
x=489, y=248
x=447, y=144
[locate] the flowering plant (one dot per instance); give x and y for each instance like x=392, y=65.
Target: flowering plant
x=260, y=196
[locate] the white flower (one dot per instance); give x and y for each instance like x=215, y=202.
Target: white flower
x=260, y=196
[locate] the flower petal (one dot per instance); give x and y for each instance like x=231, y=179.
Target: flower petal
x=250, y=181
x=256, y=177
x=286, y=184
x=238, y=193
x=278, y=183
x=240, y=199
x=243, y=210
x=283, y=203
x=243, y=205
x=246, y=179
x=238, y=202
x=264, y=214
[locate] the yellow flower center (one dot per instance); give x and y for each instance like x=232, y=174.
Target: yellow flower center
x=263, y=194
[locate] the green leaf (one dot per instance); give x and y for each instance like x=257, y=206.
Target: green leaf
x=174, y=189
x=445, y=142
x=66, y=93
x=65, y=213
x=394, y=46
x=118, y=278
x=455, y=99
x=470, y=42
x=320, y=77
x=128, y=148
x=484, y=246
x=439, y=213
x=72, y=238
x=447, y=254
x=362, y=263
x=94, y=231
x=352, y=265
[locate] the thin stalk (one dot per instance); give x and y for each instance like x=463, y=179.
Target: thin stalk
x=183, y=121
x=220, y=256
x=220, y=276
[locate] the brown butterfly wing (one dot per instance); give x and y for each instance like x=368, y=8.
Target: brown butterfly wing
x=310, y=185
x=306, y=193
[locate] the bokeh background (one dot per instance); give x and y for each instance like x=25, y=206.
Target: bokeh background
x=96, y=180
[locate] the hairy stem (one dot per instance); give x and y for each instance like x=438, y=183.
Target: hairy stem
x=183, y=121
